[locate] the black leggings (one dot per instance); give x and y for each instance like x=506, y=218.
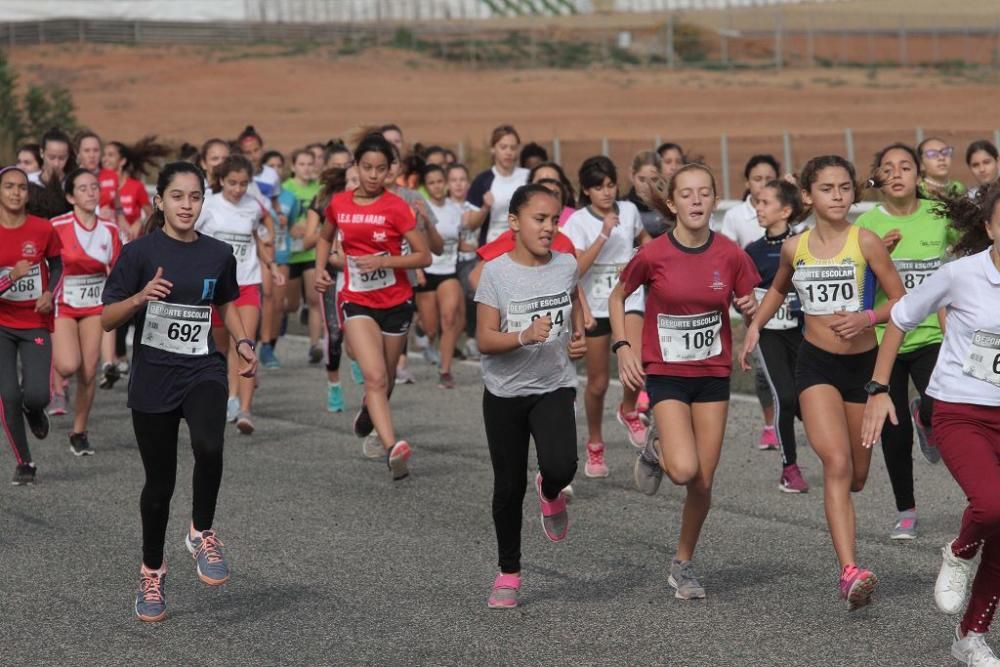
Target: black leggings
x=897, y=441
x=463, y=269
x=777, y=352
x=204, y=410
x=551, y=420
x=334, y=333
x=30, y=391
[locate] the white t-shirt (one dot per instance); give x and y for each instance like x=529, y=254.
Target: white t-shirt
x=740, y=224
x=503, y=188
x=236, y=224
x=468, y=236
x=449, y=226
x=583, y=228
x=968, y=365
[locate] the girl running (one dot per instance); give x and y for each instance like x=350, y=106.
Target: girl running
x=439, y=298
x=90, y=246
x=168, y=282
x=46, y=197
x=692, y=275
x=552, y=171
x=529, y=331
x=30, y=265
x=123, y=194
x=672, y=158
x=29, y=160
x=981, y=158
x=213, y=152
x=604, y=233
x=236, y=218
x=778, y=206
x=377, y=300
x=918, y=240
x=491, y=190
x=935, y=170
x=830, y=267
x=303, y=233
x=965, y=386
x=458, y=190
x=89, y=151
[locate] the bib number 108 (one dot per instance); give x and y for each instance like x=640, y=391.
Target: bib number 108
x=699, y=339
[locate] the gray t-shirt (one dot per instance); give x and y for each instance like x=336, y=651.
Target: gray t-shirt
x=522, y=294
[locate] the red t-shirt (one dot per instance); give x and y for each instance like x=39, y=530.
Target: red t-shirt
x=132, y=194
x=88, y=256
x=685, y=331
x=375, y=229
x=504, y=243
x=34, y=241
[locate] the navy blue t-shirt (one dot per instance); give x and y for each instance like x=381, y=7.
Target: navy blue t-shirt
x=766, y=255
x=174, y=350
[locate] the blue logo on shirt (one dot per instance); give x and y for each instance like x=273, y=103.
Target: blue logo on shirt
x=208, y=289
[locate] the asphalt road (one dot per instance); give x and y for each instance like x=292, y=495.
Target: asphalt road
x=333, y=564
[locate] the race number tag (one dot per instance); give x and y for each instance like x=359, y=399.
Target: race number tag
x=827, y=289
x=601, y=279
x=915, y=271
x=175, y=328
x=297, y=245
x=983, y=360
x=28, y=288
x=449, y=255
x=520, y=314
x=369, y=281
x=783, y=318
x=689, y=337
x=83, y=291
x=240, y=243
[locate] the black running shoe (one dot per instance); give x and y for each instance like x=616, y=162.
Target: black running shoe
x=111, y=374
x=80, y=445
x=363, y=425
x=24, y=474
x=38, y=422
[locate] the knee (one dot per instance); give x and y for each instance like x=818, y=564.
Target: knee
x=838, y=468
x=681, y=474
x=449, y=320
x=560, y=473
x=377, y=382
x=597, y=384
x=207, y=449
x=36, y=398
x=87, y=376
x=429, y=326
x=508, y=494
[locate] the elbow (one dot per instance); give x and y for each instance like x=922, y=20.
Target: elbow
x=425, y=260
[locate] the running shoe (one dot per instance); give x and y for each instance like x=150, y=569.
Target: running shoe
x=472, y=349
x=304, y=316
x=372, y=447
x=363, y=425
x=595, y=466
x=972, y=650
x=446, y=381
x=123, y=368
x=857, y=585
x=459, y=354
x=206, y=549
x=432, y=356
x=24, y=474
x=568, y=493
x=504, y=593
x=151, y=600
x=925, y=436
x=397, y=458
x=356, y=375
x=232, y=409
x=57, y=405
x=268, y=359
x=952, y=582
x=404, y=376
x=642, y=402
x=79, y=444
x=906, y=526
x=315, y=354
x=109, y=375
x=684, y=581
x=334, y=398
x=768, y=439
x=38, y=422
x=243, y=423
x=633, y=426
x=555, y=519
x=792, y=480
x=647, y=472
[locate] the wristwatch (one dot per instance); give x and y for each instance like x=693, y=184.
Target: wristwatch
x=873, y=388
x=248, y=342
x=619, y=345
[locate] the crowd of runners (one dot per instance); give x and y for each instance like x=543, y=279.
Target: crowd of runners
x=875, y=330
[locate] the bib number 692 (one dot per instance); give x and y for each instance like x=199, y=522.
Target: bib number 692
x=185, y=333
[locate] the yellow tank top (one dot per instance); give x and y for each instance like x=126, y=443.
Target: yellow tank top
x=841, y=282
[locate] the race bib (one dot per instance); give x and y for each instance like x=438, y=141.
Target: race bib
x=983, y=360
x=28, y=288
x=826, y=289
x=689, y=337
x=520, y=314
x=369, y=281
x=241, y=244
x=83, y=291
x=450, y=253
x=783, y=318
x=297, y=245
x=601, y=279
x=178, y=329
x=915, y=271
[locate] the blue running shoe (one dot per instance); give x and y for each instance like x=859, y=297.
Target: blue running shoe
x=232, y=409
x=207, y=552
x=151, y=601
x=334, y=398
x=268, y=359
x=356, y=375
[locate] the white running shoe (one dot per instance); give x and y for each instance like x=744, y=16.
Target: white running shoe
x=952, y=583
x=972, y=650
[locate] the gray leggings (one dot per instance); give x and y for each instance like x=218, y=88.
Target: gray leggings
x=30, y=391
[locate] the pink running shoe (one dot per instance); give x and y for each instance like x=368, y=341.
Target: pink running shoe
x=555, y=520
x=768, y=439
x=595, y=466
x=396, y=458
x=505, y=588
x=633, y=424
x=642, y=402
x=857, y=585
x=792, y=480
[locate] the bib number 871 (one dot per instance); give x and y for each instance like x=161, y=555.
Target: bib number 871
x=185, y=333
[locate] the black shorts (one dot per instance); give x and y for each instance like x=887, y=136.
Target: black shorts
x=432, y=281
x=686, y=390
x=295, y=271
x=603, y=328
x=394, y=321
x=847, y=373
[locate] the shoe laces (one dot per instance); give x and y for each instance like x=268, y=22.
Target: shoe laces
x=209, y=546
x=958, y=575
x=152, y=587
x=595, y=455
x=685, y=573
x=633, y=422
x=979, y=650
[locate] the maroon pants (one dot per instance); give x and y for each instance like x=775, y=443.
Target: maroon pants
x=968, y=437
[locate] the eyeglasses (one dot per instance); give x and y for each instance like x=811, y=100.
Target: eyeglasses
x=933, y=153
